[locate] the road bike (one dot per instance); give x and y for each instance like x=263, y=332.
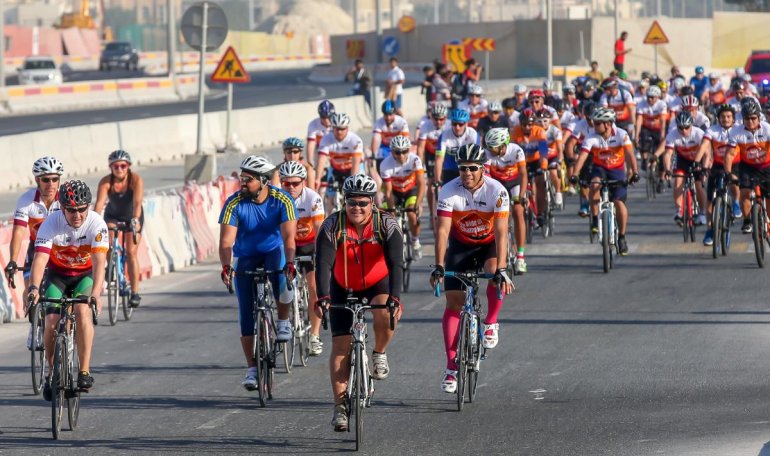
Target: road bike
x=607, y=223
x=721, y=215
x=410, y=255
x=647, y=146
x=300, y=317
x=760, y=225
x=334, y=195
x=470, y=352
x=653, y=178
x=65, y=362
x=360, y=388
x=118, y=286
x=36, y=315
x=690, y=209
x=530, y=210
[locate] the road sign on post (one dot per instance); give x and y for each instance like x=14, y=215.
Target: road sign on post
x=655, y=36
x=481, y=44
x=390, y=45
x=454, y=54
x=230, y=70
x=355, y=49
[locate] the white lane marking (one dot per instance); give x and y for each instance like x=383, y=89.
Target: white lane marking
x=216, y=422
x=538, y=394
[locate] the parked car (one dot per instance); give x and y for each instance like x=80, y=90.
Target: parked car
x=39, y=70
x=758, y=66
x=119, y=54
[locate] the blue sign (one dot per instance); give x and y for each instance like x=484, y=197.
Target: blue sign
x=390, y=45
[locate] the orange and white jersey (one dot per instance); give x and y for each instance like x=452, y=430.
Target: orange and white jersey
x=310, y=210
x=477, y=111
x=399, y=126
x=716, y=93
x=699, y=120
x=505, y=167
x=720, y=139
x=752, y=145
x=70, y=249
x=316, y=130
x=473, y=214
x=430, y=134
x=31, y=212
x=402, y=176
x=685, y=146
x=554, y=138
x=620, y=103
x=653, y=116
x=341, y=153
x=607, y=153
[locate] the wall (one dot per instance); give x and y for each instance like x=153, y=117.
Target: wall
x=736, y=35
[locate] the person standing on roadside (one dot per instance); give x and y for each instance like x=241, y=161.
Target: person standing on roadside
x=362, y=81
x=620, y=51
x=394, y=84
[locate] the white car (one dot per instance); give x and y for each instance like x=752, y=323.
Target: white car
x=39, y=70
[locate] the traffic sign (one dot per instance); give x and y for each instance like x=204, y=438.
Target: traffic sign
x=390, y=45
x=216, y=26
x=456, y=55
x=406, y=24
x=480, y=44
x=355, y=49
x=230, y=69
x=655, y=35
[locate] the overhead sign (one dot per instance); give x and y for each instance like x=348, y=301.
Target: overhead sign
x=406, y=24
x=480, y=44
x=216, y=26
x=354, y=49
x=455, y=55
x=390, y=45
x=655, y=35
x=230, y=69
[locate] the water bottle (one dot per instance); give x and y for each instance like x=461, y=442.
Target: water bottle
x=70, y=347
x=474, y=329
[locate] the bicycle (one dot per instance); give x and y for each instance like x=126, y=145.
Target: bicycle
x=721, y=215
x=550, y=206
x=647, y=146
x=360, y=389
x=530, y=210
x=760, y=225
x=653, y=178
x=334, y=192
x=607, y=223
x=65, y=362
x=300, y=316
x=118, y=287
x=36, y=314
x=409, y=254
x=690, y=209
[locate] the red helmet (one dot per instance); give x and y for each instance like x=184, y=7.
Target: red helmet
x=527, y=117
x=536, y=93
x=690, y=101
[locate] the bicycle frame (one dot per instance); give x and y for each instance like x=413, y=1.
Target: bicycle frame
x=605, y=205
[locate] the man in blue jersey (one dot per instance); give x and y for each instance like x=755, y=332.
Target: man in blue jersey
x=258, y=225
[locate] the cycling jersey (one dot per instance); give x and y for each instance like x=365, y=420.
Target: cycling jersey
x=70, y=248
x=654, y=115
x=477, y=111
x=568, y=120
x=473, y=214
x=607, y=153
x=505, y=167
x=685, y=146
x=554, y=137
x=582, y=130
x=31, y=212
x=449, y=144
x=716, y=93
x=310, y=209
x=316, y=130
x=535, y=144
x=699, y=121
x=720, y=139
x=259, y=225
x=402, y=177
x=752, y=146
x=621, y=103
x=398, y=127
x=485, y=124
x=341, y=153
x=699, y=85
x=430, y=134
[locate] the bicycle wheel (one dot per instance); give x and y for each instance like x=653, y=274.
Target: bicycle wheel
x=269, y=348
x=125, y=293
x=545, y=229
x=727, y=222
x=112, y=288
x=257, y=353
x=462, y=360
x=529, y=220
x=407, y=258
x=650, y=183
x=73, y=393
x=686, y=215
x=758, y=230
x=716, y=225
x=359, y=395
x=58, y=384
x=474, y=354
x=304, y=320
x=37, y=355
x=605, y=215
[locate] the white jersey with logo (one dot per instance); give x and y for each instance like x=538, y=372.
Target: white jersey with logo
x=582, y=130
x=685, y=146
x=720, y=139
x=70, y=248
x=568, y=120
x=653, y=115
x=505, y=167
x=449, y=144
x=700, y=121
x=424, y=121
x=399, y=126
x=473, y=213
x=402, y=176
x=341, y=153
x=31, y=212
x=310, y=209
x=316, y=130
x=474, y=110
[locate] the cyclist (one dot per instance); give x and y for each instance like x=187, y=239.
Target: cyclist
x=403, y=177
x=714, y=94
x=120, y=194
x=536, y=101
x=534, y=141
x=549, y=95
x=569, y=95
x=493, y=120
x=472, y=234
x=32, y=208
x=520, y=97
x=651, y=115
x=682, y=148
x=359, y=249
x=292, y=151
x=582, y=129
x=621, y=101
x=555, y=151
x=310, y=215
x=751, y=142
x=386, y=128
x=609, y=148
x=73, y=243
x=258, y=227
x=449, y=143
x=510, y=115
x=699, y=81
x=641, y=93
x=426, y=148
x=474, y=104
x=739, y=92
x=691, y=104
x=508, y=165
x=318, y=128
x=343, y=150
x=715, y=146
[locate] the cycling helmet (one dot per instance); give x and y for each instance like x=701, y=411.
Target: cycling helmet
x=438, y=111
x=257, y=165
x=292, y=169
x=74, y=193
x=388, y=107
x=738, y=85
x=519, y=89
x=750, y=107
x=739, y=72
x=713, y=75
x=646, y=75
x=497, y=137
x=663, y=85
x=536, y=93
x=119, y=155
x=568, y=88
x=690, y=101
x=683, y=119
x=653, y=91
x=644, y=83
x=725, y=107
x=325, y=109
x=495, y=106
x=699, y=70
x=475, y=89
x=589, y=85
x=459, y=116
x=547, y=84
x=587, y=107
x=340, y=120
x=686, y=90
x=609, y=83
x=526, y=117
x=470, y=153
x=747, y=78
x=293, y=143
x=509, y=103
x=47, y=165
x=603, y=115
x=359, y=185
x=678, y=83
x=560, y=105
x=400, y=143
x=543, y=114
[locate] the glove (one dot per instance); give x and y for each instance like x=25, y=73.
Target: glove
x=393, y=303
x=574, y=180
x=634, y=178
x=501, y=277
x=438, y=273
x=290, y=271
x=227, y=274
x=323, y=302
x=10, y=270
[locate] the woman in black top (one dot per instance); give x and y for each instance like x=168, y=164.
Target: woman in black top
x=122, y=192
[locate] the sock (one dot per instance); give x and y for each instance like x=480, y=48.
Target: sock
x=450, y=324
x=520, y=252
x=252, y=371
x=494, y=304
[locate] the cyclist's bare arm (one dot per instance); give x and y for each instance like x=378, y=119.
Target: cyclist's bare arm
x=226, y=241
x=729, y=156
x=702, y=153
x=421, y=150
x=99, y=263
x=310, y=150
x=138, y=196
x=101, y=194
x=323, y=161
x=638, y=127
x=289, y=234
x=421, y=189
x=444, y=224
x=439, y=164
x=357, y=163
x=387, y=189
x=17, y=235
x=582, y=157
x=661, y=148
x=708, y=158
x=631, y=157
x=38, y=269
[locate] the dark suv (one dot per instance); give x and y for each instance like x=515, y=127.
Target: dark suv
x=119, y=54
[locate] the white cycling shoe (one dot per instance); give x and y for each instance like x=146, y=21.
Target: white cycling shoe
x=449, y=384
x=283, y=333
x=490, y=335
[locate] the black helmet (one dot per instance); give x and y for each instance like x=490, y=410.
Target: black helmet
x=74, y=193
x=509, y=103
x=471, y=153
x=750, y=107
x=527, y=117
x=587, y=107
x=325, y=109
x=725, y=107
x=683, y=119
x=686, y=90
x=119, y=155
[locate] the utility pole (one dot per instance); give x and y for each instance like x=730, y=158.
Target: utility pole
x=435, y=11
x=170, y=39
x=470, y=11
x=615, y=22
x=392, y=14
x=2, y=43
x=659, y=10
x=549, y=22
x=355, y=16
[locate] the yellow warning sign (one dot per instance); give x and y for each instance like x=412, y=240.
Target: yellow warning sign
x=230, y=69
x=655, y=35
x=455, y=54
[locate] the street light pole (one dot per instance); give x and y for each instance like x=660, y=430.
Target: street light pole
x=2, y=43
x=171, y=39
x=201, y=77
x=549, y=21
x=615, y=22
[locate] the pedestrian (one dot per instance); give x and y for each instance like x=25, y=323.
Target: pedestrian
x=427, y=83
x=621, y=51
x=595, y=74
x=362, y=81
x=394, y=84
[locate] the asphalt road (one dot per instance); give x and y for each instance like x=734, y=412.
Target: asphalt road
x=666, y=354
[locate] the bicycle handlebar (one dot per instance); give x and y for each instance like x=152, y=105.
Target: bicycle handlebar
x=468, y=278
x=262, y=272
x=119, y=226
x=12, y=280
x=365, y=306
x=65, y=302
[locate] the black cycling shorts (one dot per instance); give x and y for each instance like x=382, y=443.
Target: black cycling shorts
x=307, y=250
x=463, y=257
x=760, y=176
x=430, y=164
x=341, y=320
x=115, y=218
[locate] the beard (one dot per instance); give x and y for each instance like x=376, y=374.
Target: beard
x=249, y=195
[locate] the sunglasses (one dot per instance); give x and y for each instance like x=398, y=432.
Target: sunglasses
x=123, y=166
x=357, y=203
x=340, y=128
x=752, y=118
x=457, y=124
x=471, y=168
x=400, y=152
x=474, y=95
x=247, y=179
x=72, y=210
x=48, y=180
x=292, y=151
x=291, y=184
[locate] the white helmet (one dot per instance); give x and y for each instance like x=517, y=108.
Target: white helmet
x=495, y=106
x=400, y=143
x=475, y=89
x=292, y=169
x=678, y=83
x=359, y=184
x=47, y=165
x=257, y=165
x=340, y=120
x=519, y=89
x=713, y=75
x=547, y=84
x=497, y=137
x=740, y=72
x=603, y=115
x=653, y=91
